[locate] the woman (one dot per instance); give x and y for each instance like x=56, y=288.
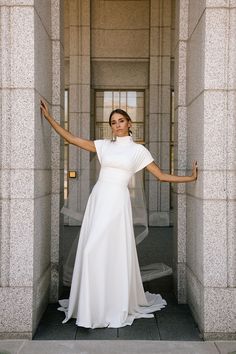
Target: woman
x=106, y=289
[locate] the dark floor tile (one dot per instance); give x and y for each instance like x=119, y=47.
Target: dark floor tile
x=141, y=329
x=175, y=322
x=97, y=333
x=67, y=332
x=52, y=328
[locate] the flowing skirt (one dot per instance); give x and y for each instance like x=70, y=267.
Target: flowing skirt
x=107, y=289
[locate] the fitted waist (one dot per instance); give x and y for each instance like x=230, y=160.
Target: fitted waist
x=115, y=176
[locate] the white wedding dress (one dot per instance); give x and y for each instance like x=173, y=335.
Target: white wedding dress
x=107, y=289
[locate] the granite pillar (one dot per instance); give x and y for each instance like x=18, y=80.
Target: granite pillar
x=25, y=165
x=209, y=104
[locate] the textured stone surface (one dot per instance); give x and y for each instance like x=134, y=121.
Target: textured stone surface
x=67, y=42
x=226, y=347
x=220, y=305
x=232, y=50
x=120, y=43
x=17, y=2
x=216, y=49
x=181, y=228
x=56, y=18
x=58, y=81
x=195, y=297
x=180, y=73
x=79, y=69
x=42, y=183
x=80, y=98
x=79, y=40
x=181, y=20
x=42, y=139
x=160, y=37
x=196, y=12
x=5, y=241
x=22, y=51
x=195, y=131
x=160, y=99
x=109, y=74
x=25, y=241
x=231, y=130
x=21, y=242
x=43, y=53
x=194, y=236
x=42, y=232
x=160, y=128
x=118, y=346
x=160, y=70
x=5, y=131
x=115, y=347
x=210, y=185
x=181, y=138
x=179, y=275
x=215, y=243
x=43, y=9
x=22, y=128
x=41, y=296
x=129, y=14
x=78, y=7
x=195, y=61
x=217, y=3
x=231, y=244
x=11, y=347
x=16, y=309
x=5, y=35
x=161, y=13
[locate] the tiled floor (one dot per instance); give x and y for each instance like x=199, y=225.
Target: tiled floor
x=174, y=323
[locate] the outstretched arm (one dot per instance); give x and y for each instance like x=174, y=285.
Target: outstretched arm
x=65, y=134
x=164, y=177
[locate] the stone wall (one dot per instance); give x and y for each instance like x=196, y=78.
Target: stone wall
x=27, y=73
x=208, y=79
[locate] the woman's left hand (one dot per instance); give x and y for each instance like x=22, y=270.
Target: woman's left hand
x=195, y=170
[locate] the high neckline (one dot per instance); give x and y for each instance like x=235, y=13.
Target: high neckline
x=124, y=139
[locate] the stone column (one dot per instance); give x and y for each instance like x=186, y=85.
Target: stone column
x=79, y=98
x=159, y=108
x=210, y=212
x=180, y=150
x=57, y=147
x=25, y=165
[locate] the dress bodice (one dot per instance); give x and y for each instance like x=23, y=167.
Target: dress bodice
x=121, y=159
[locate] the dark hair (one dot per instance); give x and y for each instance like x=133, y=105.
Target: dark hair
x=119, y=111
x=123, y=113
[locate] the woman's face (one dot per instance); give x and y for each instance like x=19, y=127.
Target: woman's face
x=120, y=125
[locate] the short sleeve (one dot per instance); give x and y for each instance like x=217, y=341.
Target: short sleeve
x=143, y=159
x=99, y=145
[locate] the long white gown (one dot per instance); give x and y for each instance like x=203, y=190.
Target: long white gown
x=107, y=289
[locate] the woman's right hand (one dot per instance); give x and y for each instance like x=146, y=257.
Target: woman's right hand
x=44, y=109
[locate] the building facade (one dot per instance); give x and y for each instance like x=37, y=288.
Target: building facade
x=172, y=65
